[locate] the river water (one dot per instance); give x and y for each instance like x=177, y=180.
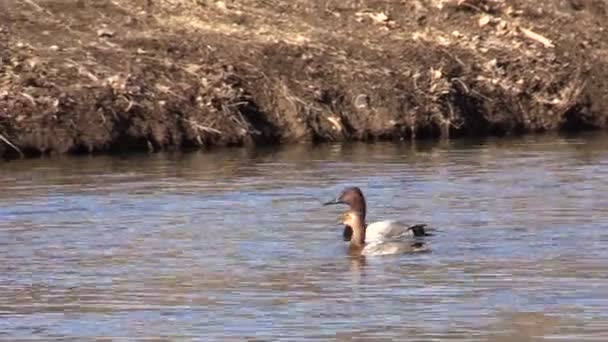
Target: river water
x=234, y=244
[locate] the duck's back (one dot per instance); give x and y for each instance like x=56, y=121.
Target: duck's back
x=385, y=230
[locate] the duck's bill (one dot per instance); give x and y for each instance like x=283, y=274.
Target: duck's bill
x=332, y=202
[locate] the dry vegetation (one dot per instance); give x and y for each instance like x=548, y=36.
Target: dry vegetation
x=86, y=76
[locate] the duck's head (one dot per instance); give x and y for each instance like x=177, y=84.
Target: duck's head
x=351, y=218
x=353, y=197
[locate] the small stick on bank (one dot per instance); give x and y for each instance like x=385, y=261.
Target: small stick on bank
x=11, y=145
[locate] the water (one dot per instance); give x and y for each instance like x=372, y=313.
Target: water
x=235, y=245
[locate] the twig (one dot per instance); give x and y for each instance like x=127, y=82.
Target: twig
x=481, y=95
x=471, y=6
x=35, y=5
x=537, y=37
x=11, y=145
x=30, y=98
x=85, y=72
x=40, y=8
x=336, y=122
x=464, y=86
x=237, y=104
x=454, y=57
x=204, y=128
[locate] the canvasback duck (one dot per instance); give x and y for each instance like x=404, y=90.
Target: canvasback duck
x=360, y=246
x=381, y=230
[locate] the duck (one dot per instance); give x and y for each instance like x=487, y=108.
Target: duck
x=359, y=246
x=376, y=231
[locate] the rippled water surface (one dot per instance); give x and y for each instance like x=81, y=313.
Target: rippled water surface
x=235, y=244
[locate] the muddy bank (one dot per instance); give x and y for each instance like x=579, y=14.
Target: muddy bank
x=78, y=76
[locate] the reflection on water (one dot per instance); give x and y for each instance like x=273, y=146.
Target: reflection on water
x=234, y=244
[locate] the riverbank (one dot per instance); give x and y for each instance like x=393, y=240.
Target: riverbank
x=79, y=77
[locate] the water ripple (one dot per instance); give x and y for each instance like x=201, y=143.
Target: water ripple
x=236, y=245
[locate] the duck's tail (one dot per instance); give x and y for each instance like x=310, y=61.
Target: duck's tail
x=420, y=230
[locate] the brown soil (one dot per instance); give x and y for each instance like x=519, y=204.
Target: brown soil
x=117, y=75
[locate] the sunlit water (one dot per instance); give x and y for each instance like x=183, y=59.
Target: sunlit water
x=235, y=244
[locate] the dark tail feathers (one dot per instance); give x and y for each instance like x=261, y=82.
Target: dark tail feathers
x=419, y=230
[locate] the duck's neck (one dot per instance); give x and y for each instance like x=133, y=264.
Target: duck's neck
x=358, y=238
x=358, y=205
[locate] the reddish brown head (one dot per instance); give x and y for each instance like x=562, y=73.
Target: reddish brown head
x=353, y=197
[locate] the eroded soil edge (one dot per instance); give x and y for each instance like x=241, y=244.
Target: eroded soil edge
x=79, y=76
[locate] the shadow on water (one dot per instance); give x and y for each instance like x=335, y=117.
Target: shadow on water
x=234, y=244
